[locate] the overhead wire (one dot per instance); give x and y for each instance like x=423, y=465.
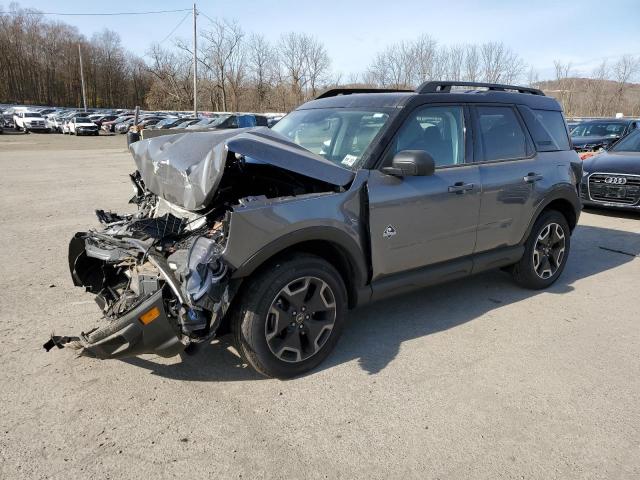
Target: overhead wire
x=28, y=12
x=176, y=27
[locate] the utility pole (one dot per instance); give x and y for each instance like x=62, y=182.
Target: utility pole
x=195, y=64
x=84, y=92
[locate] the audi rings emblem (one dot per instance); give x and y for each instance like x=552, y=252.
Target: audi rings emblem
x=615, y=180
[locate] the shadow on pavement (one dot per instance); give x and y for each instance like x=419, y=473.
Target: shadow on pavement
x=374, y=333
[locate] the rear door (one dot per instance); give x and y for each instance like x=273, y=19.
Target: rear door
x=424, y=220
x=511, y=173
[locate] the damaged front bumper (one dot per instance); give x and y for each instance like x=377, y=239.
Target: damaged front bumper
x=160, y=286
x=144, y=329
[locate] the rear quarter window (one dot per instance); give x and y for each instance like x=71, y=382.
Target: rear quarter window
x=548, y=129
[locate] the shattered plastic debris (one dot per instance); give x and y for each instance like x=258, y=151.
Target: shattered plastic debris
x=160, y=227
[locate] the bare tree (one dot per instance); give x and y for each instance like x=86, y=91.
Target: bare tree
x=292, y=54
x=499, y=63
x=424, y=57
x=623, y=71
x=262, y=65
x=317, y=64
x=172, y=73
x=221, y=47
x=565, y=85
x=471, y=63
x=456, y=62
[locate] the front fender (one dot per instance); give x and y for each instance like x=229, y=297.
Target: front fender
x=260, y=229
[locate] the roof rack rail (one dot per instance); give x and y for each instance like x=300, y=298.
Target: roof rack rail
x=334, y=92
x=445, y=87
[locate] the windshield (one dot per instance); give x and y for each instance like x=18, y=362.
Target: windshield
x=338, y=134
x=599, y=129
x=630, y=143
x=82, y=120
x=32, y=115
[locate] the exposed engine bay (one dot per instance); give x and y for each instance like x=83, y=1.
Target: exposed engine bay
x=159, y=275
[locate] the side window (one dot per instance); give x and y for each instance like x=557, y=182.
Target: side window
x=548, y=129
x=501, y=135
x=438, y=131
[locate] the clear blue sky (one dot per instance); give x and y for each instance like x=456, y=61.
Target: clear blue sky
x=581, y=31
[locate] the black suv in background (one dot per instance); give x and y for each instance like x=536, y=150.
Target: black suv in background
x=593, y=135
x=353, y=197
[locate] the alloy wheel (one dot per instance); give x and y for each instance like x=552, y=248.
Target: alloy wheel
x=300, y=319
x=548, y=251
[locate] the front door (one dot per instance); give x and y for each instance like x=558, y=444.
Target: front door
x=424, y=220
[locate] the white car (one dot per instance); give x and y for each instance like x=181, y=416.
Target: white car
x=80, y=126
x=29, y=121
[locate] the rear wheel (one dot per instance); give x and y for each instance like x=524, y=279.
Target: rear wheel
x=290, y=316
x=546, y=252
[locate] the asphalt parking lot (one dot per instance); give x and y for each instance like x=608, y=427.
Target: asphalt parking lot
x=474, y=379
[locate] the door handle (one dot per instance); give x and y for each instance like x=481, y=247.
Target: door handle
x=460, y=187
x=532, y=177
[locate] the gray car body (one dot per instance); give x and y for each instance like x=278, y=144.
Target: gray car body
x=385, y=234
x=439, y=236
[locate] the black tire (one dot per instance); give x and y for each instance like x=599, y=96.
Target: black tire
x=524, y=272
x=253, y=310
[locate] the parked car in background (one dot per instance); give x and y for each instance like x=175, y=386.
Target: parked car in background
x=169, y=123
x=7, y=117
x=54, y=122
x=82, y=126
x=29, y=122
x=611, y=179
x=271, y=121
x=230, y=120
x=592, y=135
x=103, y=119
x=143, y=122
x=185, y=123
x=110, y=126
x=203, y=123
x=123, y=127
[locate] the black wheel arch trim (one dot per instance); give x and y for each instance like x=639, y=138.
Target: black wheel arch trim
x=564, y=192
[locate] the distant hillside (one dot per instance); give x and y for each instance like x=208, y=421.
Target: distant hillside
x=586, y=97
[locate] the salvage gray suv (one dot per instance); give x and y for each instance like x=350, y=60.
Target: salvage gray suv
x=274, y=234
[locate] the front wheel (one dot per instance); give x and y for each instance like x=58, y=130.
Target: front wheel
x=546, y=252
x=290, y=316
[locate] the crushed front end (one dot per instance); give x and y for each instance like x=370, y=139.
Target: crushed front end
x=160, y=275
x=156, y=276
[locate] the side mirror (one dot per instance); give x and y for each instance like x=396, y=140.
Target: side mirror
x=411, y=163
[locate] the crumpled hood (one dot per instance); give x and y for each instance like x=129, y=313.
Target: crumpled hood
x=186, y=168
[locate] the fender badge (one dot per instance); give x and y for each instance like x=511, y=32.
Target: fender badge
x=389, y=232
